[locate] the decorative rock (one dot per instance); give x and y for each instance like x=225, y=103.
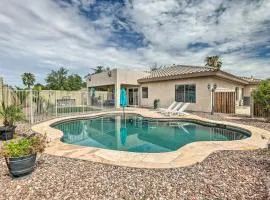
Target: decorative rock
x=223, y=175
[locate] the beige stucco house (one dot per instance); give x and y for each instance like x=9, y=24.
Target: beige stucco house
x=176, y=83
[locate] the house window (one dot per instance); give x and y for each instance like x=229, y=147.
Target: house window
x=145, y=92
x=185, y=93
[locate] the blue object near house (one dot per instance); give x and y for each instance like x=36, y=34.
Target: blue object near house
x=123, y=98
x=123, y=135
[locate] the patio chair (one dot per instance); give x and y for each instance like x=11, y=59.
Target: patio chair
x=169, y=108
x=181, y=111
x=175, y=109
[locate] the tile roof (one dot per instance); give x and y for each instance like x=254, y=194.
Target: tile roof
x=251, y=80
x=176, y=70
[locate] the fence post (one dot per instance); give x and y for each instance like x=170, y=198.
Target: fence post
x=9, y=97
x=55, y=103
x=102, y=101
x=31, y=107
x=2, y=89
x=87, y=98
x=82, y=100
x=251, y=107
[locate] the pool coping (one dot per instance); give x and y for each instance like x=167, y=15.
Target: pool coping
x=187, y=155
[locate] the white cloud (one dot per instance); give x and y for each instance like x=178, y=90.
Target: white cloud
x=40, y=35
x=230, y=27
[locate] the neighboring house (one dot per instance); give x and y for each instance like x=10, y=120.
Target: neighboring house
x=176, y=83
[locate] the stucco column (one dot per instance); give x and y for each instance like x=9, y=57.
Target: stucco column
x=117, y=131
x=117, y=95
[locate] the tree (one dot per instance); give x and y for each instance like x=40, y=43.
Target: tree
x=57, y=80
x=155, y=67
x=75, y=82
x=261, y=96
x=39, y=87
x=213, y=61
x=100, y=69
x=60, y=80
x=28, y=79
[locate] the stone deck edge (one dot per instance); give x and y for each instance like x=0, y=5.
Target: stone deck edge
x=184, y=156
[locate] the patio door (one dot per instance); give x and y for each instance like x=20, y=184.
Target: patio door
x=133, y=96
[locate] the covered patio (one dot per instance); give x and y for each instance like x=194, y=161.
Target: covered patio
x=105, y=87
x=108, y=95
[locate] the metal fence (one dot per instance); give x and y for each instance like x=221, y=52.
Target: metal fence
x=258, y=111
x=46, y=104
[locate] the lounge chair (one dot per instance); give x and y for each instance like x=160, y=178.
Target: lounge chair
x=181, y=111
x=180, y=125
x=169, y=108
x=175, y=109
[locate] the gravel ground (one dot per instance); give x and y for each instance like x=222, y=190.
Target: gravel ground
x=223, y=175
x=260, y=123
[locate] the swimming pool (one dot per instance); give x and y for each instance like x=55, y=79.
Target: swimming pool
x=133, y=133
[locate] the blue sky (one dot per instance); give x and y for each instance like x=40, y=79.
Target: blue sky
x=41, y=35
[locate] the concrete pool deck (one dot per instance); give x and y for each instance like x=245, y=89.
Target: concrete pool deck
x=184, y=156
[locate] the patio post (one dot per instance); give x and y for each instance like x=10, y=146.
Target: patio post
x=117, y=95
x=212, y=89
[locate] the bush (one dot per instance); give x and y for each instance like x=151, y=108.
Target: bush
x=156, y=103
x=261, y=96
x=24, y=146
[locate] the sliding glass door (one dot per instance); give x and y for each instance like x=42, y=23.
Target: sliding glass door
x=133, y=94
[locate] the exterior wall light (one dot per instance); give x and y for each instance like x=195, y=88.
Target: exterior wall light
x=109, y=73
x=215, y=86
x=209, y=86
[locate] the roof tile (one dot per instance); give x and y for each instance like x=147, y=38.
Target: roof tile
x=177, y=70
x=251, y=80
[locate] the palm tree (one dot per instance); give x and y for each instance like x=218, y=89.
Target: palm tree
x=57, y=80
x=155, y=67
x=213, y=61
x=28, y=79
x=100, y=69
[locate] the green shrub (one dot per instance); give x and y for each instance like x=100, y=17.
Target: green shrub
x=261, y=96
x=10, y=114
x=24, y=146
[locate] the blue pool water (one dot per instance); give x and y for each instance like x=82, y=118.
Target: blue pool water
x=137, y=134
